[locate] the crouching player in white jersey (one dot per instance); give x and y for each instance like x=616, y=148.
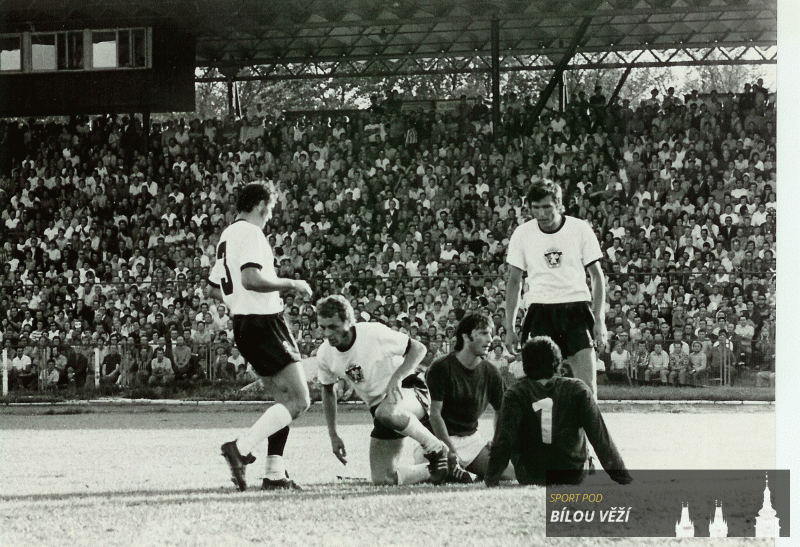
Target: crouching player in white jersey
x=380, y=364
x=244, y=278
x=462, y=384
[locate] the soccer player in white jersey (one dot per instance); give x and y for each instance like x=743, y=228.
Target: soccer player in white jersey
x=244, y=278
x=380, y=364
x=556, y=251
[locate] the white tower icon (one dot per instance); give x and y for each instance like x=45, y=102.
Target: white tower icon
x=684, y=528
x=718, y=527
x=767, y=524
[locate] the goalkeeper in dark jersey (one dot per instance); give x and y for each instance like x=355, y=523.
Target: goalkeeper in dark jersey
x=542, y=422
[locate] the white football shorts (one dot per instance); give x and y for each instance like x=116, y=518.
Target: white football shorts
x=467, y=447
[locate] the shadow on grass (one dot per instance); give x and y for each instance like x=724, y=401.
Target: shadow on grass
x=350, y=487
x=67, y=411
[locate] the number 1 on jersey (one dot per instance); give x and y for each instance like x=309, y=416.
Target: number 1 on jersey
x=544, y=410
x=227, y=282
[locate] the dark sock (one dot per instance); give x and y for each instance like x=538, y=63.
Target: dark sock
x=277, y=442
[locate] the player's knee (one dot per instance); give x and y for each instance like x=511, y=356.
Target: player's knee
x=389, y=415
x=384, y=478
x=305, y=401
x=299, y=404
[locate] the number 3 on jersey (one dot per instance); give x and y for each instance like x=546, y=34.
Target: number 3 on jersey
x=226, y=283
x=544, y=410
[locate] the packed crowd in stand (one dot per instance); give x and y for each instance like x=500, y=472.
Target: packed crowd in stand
x=109, y=230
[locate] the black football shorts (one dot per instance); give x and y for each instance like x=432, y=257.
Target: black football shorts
x=570, y=325
x=266, y=342
x=385, y=433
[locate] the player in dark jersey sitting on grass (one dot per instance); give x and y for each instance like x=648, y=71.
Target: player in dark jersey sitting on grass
x=462, y=384
x=542, y=423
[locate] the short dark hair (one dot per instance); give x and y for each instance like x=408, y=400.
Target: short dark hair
x=541, y=358
x=467, y=325
x=253, y=194
x=336, y=305
x=542, y=190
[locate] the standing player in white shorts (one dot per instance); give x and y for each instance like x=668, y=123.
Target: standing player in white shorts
x=244, y=278
x=462, y=384
x=380, y=364
x=556, y=251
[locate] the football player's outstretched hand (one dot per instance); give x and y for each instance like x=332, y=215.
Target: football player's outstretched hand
x=512, y=341
x=337, y=444
x=302, y=287
x=600, y=335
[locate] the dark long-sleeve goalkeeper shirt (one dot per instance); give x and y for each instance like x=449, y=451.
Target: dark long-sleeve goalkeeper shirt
x=541, y=427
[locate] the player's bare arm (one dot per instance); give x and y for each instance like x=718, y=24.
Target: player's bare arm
x=505, y=437
x=439, y=427
x=329, y=405
x=598, y=435
x=598, y=304
x=254, y=280
x=497, y=413
x=215, y=293
x=414, y=355
x=512, y=307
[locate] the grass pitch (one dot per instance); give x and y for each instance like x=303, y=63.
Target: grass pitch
x=155, y=478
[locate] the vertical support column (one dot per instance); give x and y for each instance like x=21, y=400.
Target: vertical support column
x=230, y=73
x=562, y=92
x=726, y=370
x=495, y=39
x=27, y=58
x=230, y=97
x=96, y=367
x=88, y=50
x=5, y=372
x=145, y=131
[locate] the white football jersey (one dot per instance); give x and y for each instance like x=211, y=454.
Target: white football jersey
x=242, y=245
x=555, y=262
x=376, y=354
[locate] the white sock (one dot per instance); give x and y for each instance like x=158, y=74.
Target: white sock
x=420, y=433
x=276, y=469
x=274, y=419
x=412, y=474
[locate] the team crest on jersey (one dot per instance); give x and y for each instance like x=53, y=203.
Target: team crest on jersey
x=355, y=374
x=553, y=258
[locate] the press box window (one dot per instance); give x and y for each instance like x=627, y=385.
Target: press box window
x=104, y=49
x=43, y=51
x=10, y=53
x=75, y=50
x=70, y=50
x=119, y=49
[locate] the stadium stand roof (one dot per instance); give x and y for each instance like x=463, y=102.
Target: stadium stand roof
x=286, y=39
